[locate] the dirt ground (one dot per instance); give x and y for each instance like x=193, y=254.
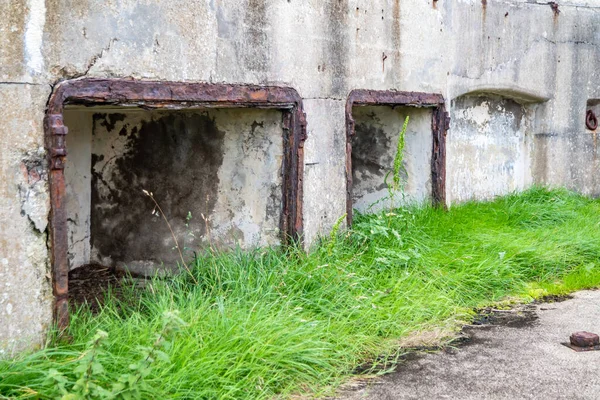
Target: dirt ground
x=89, y=284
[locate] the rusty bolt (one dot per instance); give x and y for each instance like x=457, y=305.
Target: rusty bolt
x=585, y=339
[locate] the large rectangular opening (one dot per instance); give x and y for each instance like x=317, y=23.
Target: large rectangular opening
x=223, y=162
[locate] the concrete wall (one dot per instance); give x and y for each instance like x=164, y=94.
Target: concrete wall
x=25, y=291
x=520, y=50
x=222, y=168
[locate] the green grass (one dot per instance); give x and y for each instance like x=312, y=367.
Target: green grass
x=273, y=323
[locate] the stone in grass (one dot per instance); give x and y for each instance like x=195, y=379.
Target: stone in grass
x=585, y=339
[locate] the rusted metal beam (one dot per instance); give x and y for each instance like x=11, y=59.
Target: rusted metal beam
x=363, y=97
x=440, y=124
x=126, y=92
x=170, y=95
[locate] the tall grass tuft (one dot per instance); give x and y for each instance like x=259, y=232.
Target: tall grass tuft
x=277, y=322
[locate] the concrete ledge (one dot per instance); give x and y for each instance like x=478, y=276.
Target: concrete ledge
x=519, y=94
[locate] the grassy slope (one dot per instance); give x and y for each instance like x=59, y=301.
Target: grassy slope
x=266, y=323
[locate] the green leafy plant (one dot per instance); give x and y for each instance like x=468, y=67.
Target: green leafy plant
x=132, y=385
x=129, y=386
x=334, y=234
x=399, y=158
x=398, y=169
x=88, y=367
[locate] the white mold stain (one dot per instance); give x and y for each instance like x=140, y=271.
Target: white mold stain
x=34, y=33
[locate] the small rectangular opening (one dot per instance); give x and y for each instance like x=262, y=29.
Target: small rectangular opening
x=592, y=114
x=373, y=124
x=374, y=148
x=215, y=173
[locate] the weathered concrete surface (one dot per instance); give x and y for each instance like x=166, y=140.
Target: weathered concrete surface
x=517, y=49
x=78, y=177
x=374, y=147
x=222, y=168
x=547, y=62
x=25, y=295
x=504, y=362
x=324, y=167
x=489, y=147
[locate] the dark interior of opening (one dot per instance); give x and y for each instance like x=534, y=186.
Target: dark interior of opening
x=593, y=105
x=216, y=177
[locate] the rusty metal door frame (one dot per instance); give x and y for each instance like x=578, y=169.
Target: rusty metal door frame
x=164, y=95
x=440, y=123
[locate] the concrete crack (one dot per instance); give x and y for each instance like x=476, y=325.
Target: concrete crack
x=76, y=242
x=98, y=56
x=324, y=98
x=20, y=83
x=565, y=41
x=555, y=4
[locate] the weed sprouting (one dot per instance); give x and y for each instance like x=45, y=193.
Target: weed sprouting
x=88, y=367
x=334, y=234
x=399, y=158
x=398, y=169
